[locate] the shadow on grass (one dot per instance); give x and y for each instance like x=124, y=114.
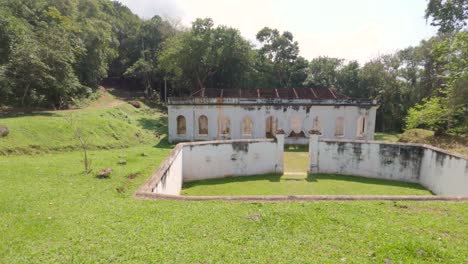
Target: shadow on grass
x=269, y=177
x=155, y=125
x=164, y=143
x=19, y=113
x=363, y=180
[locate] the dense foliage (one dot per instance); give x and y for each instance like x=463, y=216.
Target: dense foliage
x=53, y=52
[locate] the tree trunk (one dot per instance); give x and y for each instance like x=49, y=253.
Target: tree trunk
x=25, y=94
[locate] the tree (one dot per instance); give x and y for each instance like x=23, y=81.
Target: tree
x=448, y=15
x=82, y=140
x=207, y=55
x=282, y=52
x=347, y=81
x=323, y=72
x=432, y=114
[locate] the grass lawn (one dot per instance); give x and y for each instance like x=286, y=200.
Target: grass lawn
x=52, y=213
x=296, y=182
x=388, y=137
x=320, y=184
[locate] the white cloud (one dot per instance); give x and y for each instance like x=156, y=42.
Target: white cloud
x=150, y=8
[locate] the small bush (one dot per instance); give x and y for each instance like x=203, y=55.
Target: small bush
x=132, y=176
x=135, y=104
x=104, y=174
x=4, y=131
x=416, y=135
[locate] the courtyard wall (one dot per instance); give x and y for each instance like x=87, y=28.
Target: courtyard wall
x=441, y=172
x=216, y=159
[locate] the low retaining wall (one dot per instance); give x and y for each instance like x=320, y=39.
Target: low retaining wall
x=439, y=171
x=215, y=159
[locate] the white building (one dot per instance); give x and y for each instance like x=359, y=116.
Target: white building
x=216, y=114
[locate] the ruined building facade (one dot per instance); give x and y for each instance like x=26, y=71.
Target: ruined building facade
x=217, y=114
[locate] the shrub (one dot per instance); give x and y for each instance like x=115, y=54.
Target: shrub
x=416, y=135
x=4, y=131
x=104, y=174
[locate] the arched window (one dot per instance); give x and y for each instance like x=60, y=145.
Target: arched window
x=247, y=126
x=225, y=126
x=181, y=125
x=271, y=127
x=361, y=126
x=339, y=129
x=296, y=127
x=316, y=125
x=203, y=125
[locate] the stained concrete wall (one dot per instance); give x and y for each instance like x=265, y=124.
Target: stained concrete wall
x=171, y=180
x=217, y=159
x=369, y=159
x=444, y=173
x=327, y=115
x=236, y=158
x=441, y=172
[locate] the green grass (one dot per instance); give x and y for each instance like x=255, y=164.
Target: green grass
x=50, y=212
x=296, y=182
x=117, y=127
x=388, y=137
x=319, y=184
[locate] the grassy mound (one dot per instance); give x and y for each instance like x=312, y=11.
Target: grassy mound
x=416, y=135
x=458, y=144
x=116, y=127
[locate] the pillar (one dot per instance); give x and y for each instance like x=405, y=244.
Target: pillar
x=313, y=151
x=279, y=152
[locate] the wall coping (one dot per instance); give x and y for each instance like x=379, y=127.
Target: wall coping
x=265, y=101
x=427, y=146
x=229, y=141
x=151, y=182
x=301, y=198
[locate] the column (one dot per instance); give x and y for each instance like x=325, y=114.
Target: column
x=313, y=151
x=279, y=152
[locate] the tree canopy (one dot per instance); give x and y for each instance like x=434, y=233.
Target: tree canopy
x=53, y=52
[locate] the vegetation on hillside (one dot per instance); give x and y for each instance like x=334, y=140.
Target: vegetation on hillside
x=453, y=143
x=108, y=128
x=54, y=52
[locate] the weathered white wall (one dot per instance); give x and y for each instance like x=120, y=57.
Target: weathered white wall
x=370, y=159
x=171, y=180
x=441, y=172
x=217, y=159
x=259, y=113
x=444, y=173
x=236, y=158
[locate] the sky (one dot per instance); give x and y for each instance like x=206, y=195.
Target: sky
x=350, y=29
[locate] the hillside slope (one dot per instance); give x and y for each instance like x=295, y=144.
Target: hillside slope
x=116, y=127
